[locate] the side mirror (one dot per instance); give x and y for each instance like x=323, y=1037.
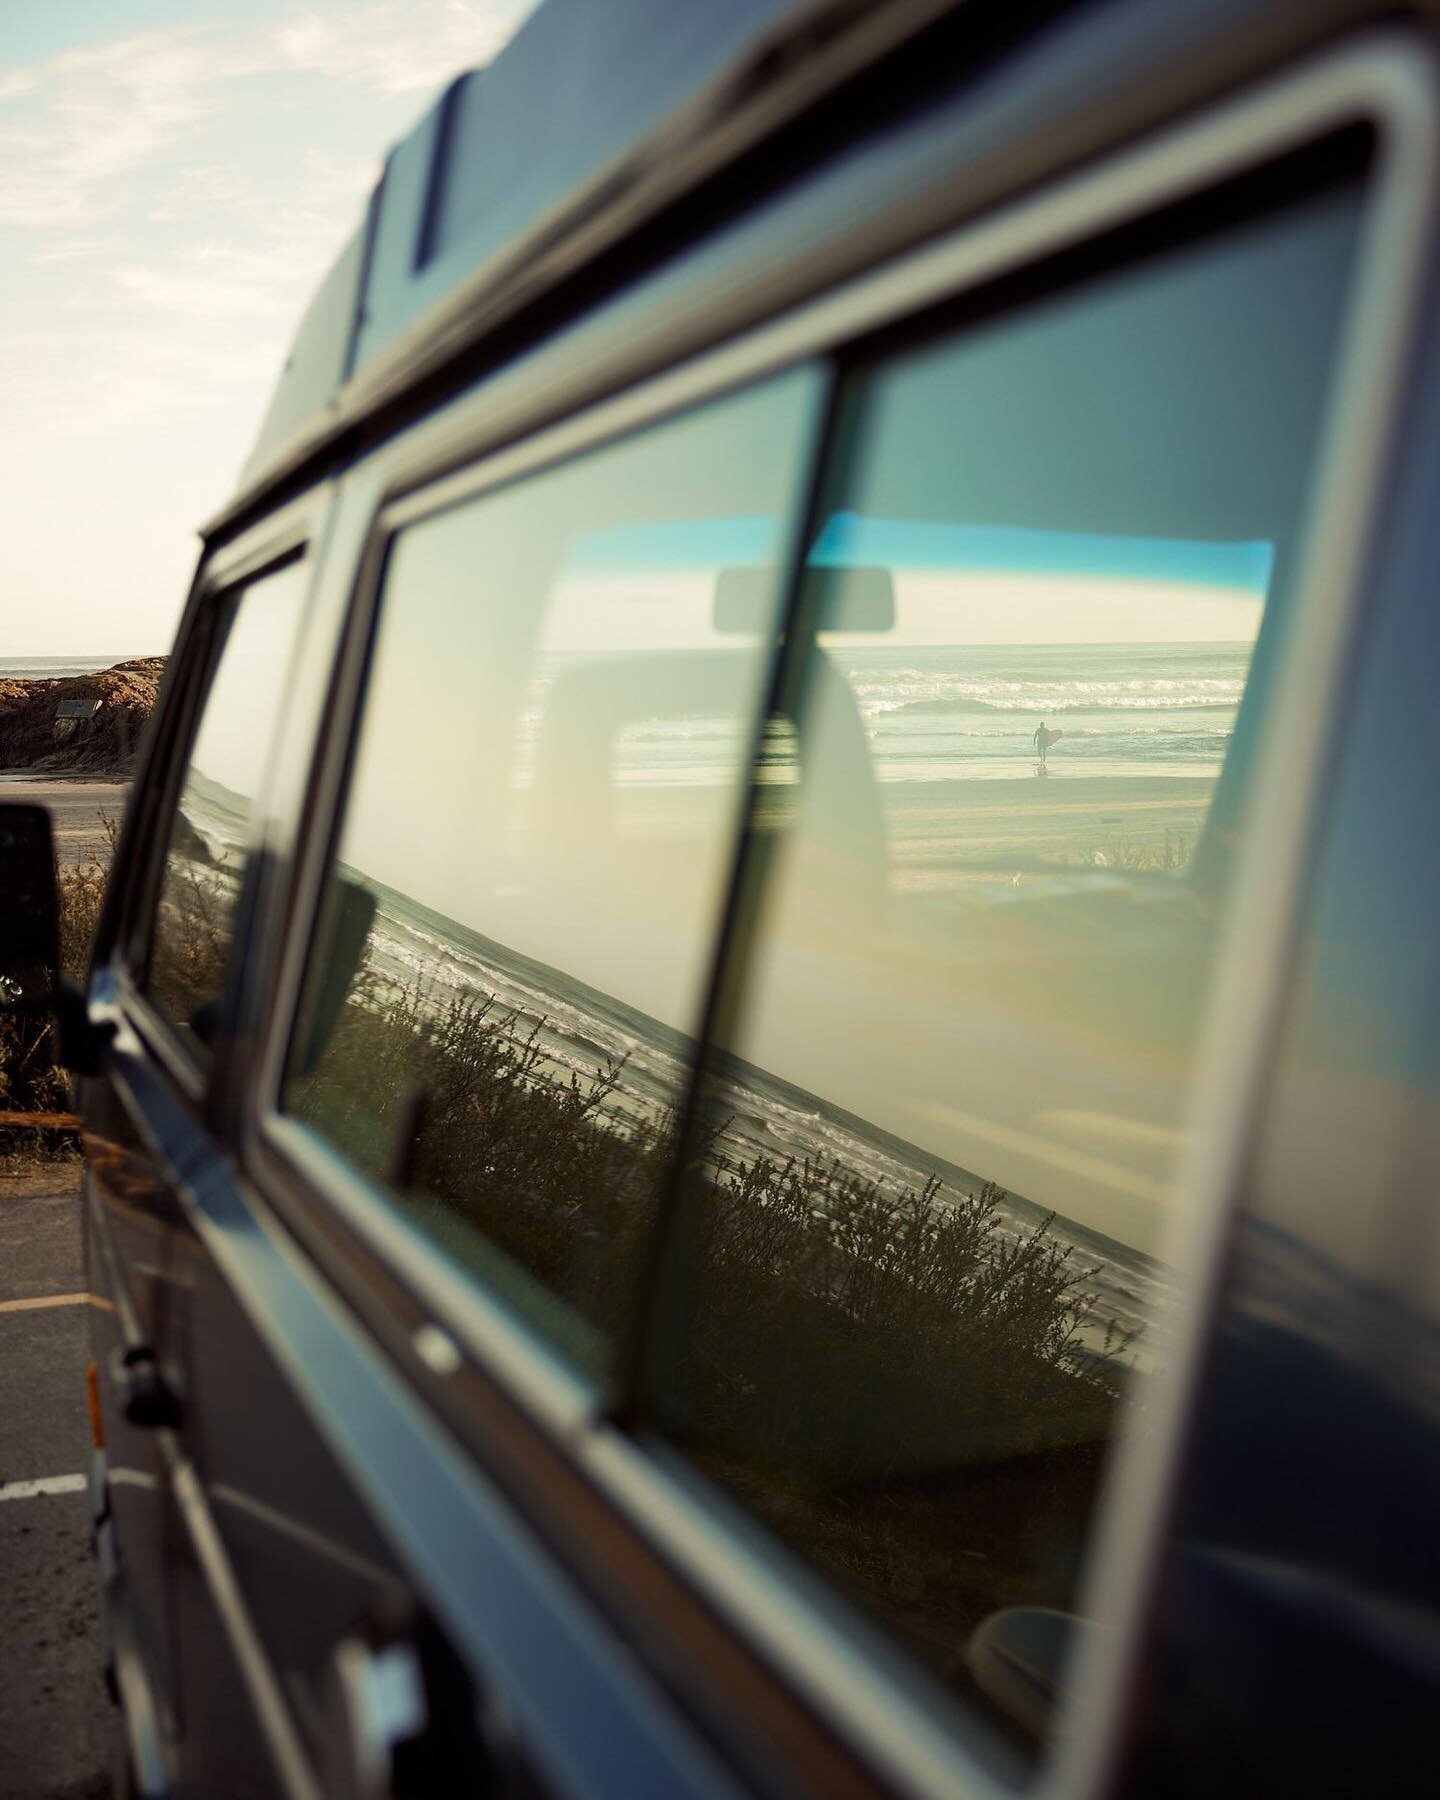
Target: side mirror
x=29, y=908
x=29, y=958
x=839, y=599
x=31, y=985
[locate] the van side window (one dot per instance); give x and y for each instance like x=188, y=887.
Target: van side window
x=930, y=1233
x=540, y=823
x=195, y=920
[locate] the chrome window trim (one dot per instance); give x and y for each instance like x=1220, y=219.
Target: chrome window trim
x=158, y=1032
x=1387, y=80
x=538, y=1377
x=272, y=538
x=349, y=569
x=760, y=1586
x=1259, y=933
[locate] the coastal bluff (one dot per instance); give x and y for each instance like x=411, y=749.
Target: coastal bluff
x=87, y=723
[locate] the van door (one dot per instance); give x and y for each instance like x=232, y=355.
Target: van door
x=149, y=1149
x=355, y=1585
x=543, y=790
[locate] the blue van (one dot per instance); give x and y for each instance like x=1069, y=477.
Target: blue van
x=760, y=1081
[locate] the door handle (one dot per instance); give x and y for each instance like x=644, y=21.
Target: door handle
x=380, y=1716
x=402, y=1721
x=146, y=1397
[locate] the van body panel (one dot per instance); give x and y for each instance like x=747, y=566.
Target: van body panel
x=371, y=1464
x=990, y=116
x=1323, y=1376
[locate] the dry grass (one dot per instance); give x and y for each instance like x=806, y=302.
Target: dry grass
x=891, y=1377
x=192, y=935
x=81, y=891
x=1165, y=855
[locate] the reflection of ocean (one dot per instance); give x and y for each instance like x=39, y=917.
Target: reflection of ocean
x=581, y=1030
x=937, y=713
x=1124, y=709
x=220, y=816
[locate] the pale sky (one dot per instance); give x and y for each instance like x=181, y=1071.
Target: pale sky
x=178, y=174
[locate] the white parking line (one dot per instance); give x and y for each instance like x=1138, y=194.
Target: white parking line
x=47, y=1484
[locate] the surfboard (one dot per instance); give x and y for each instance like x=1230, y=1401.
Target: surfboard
x=1053, y=735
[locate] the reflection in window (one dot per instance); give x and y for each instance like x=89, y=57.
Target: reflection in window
x=190, y=941
x=937, y=1186
x=539, y=828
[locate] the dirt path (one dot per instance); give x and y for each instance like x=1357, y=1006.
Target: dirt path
x=78, y=806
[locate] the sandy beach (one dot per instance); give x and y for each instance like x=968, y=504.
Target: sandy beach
x=78, y=807
x=1134, y=821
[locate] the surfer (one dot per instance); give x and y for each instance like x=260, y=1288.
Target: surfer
x=1042, y=741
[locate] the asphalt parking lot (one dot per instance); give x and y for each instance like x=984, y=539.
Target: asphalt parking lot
x=57, y=1726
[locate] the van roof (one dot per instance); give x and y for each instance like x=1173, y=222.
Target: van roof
x=590, y=120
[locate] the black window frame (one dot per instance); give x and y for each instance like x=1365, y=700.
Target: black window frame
x=288, y=539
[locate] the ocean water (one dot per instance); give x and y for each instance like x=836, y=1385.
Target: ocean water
x=50, y=668
x=942, y=713
x=1121, y=709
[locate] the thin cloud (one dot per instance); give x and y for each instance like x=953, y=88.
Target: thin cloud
x=89, y=117
x=378, y=47
x=167, y=210
x=72, y=250
x=93, y=116
x=204, y=286
x=319, y=192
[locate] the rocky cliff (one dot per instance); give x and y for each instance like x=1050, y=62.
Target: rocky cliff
x=89, y=723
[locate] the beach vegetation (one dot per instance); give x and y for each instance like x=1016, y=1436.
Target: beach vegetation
x=194, y=925
x=891, y=1375
x=1170, y=853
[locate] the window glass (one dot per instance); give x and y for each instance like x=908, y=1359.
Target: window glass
x=1007, y=789
x=195, y=921
x=540, y=823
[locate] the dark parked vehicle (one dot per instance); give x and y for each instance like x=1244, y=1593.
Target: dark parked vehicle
x=760, y=1081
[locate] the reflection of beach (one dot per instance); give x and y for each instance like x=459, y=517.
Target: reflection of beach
x=960, y=833
x=979, y=823
x=578, y=1030
x=763, y=1116
x=219, y=815
x=759, y=1115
